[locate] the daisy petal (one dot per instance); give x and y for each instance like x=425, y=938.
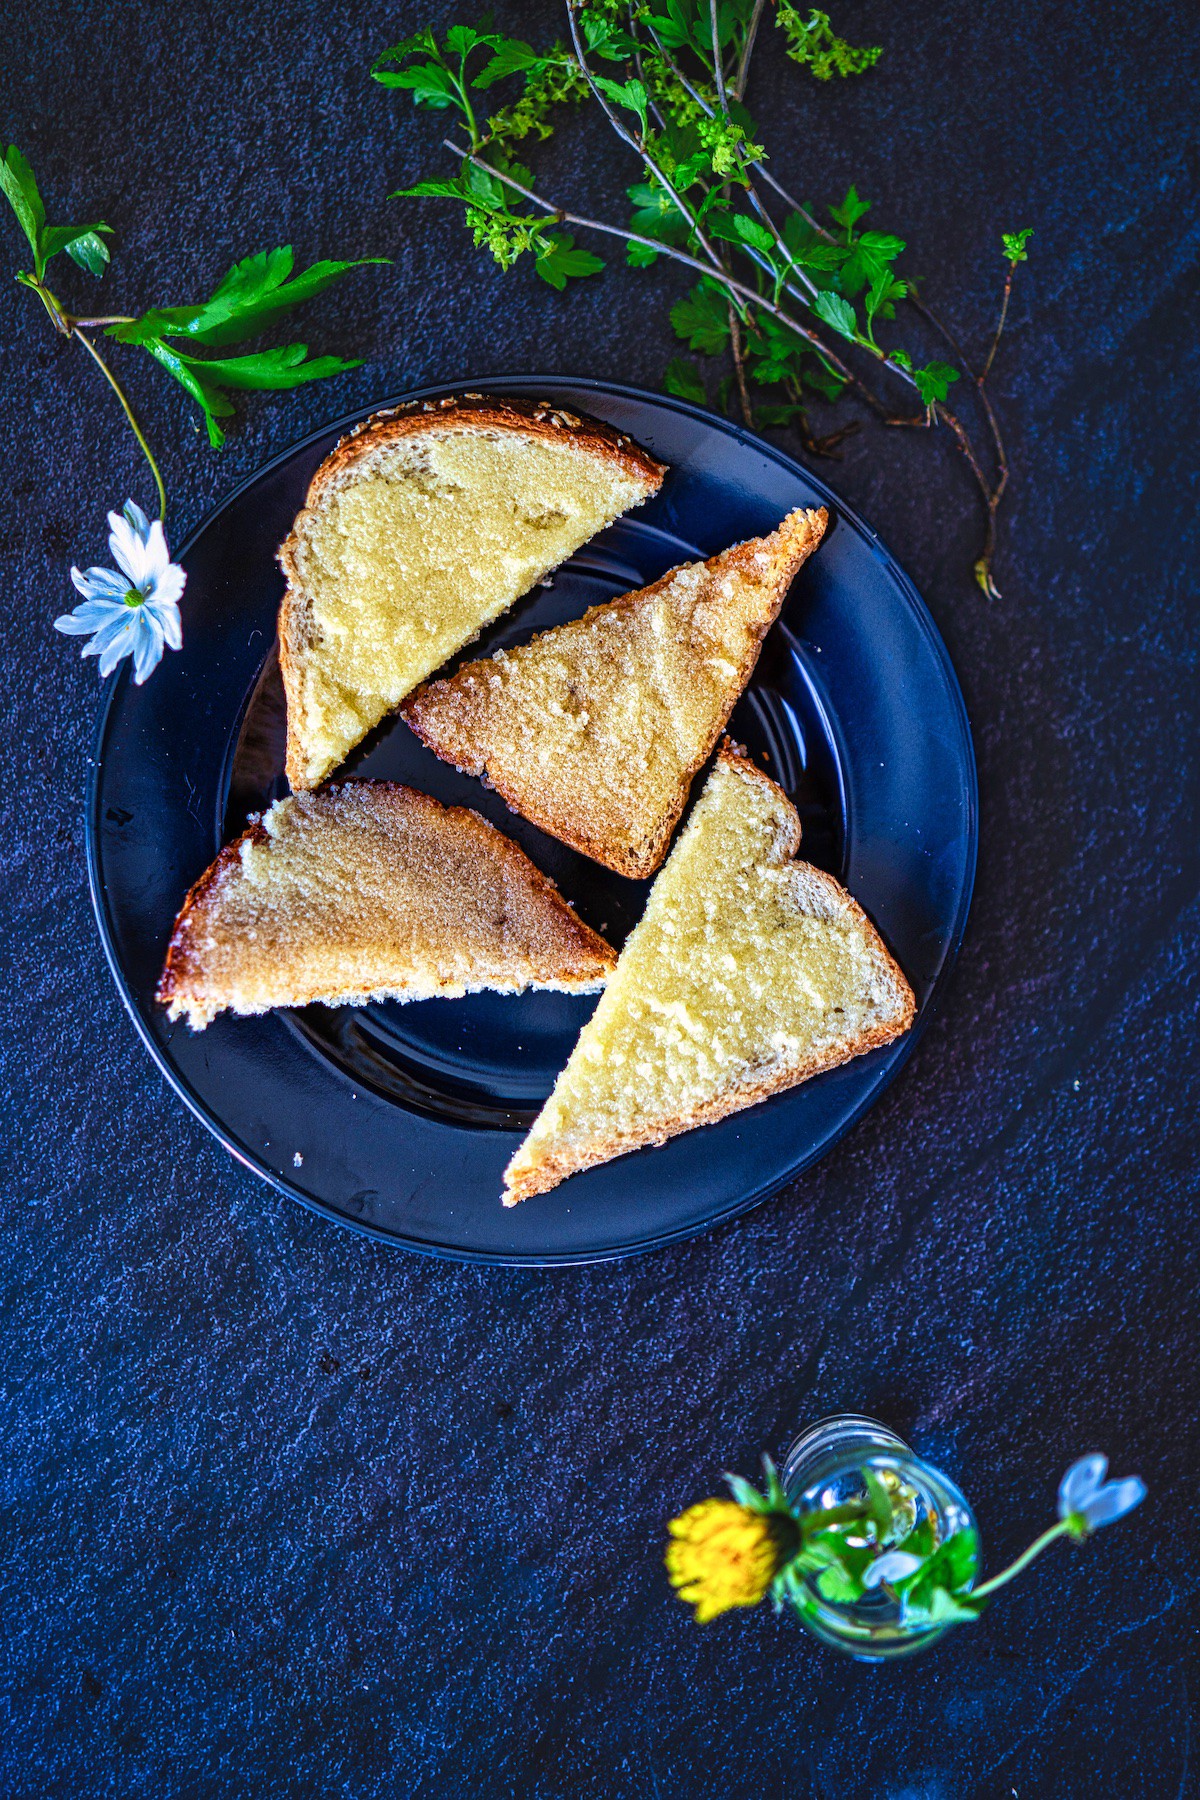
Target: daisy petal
x=100, y=584
x=158, y=557
x=121, y=645
x=147, y=651
x=117, y=630
x=167, y=618
x=168, y=584
x=90, y=617
x=137, y=518
x=128, y=548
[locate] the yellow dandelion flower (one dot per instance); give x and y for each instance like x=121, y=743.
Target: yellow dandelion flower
x=724, y=1555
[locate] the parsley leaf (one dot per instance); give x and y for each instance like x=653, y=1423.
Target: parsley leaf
x=933, y=382
x=629, y=94
x=702, y=319
x=254, y=294
x=513, y=57
x=87, y=248
x=205, y=378
x=682, y=378
x=83, y=243
x=851, y=210
x=740, y=228
x=1014, y=243
x=939, y=1591
x=605, y=39
x=429, y=84
x=870, y=256
x=837, y=312
x=558, y=261
x=21, y=192
x=655, y=214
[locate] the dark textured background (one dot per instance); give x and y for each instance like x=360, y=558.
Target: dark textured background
x=285, y=1513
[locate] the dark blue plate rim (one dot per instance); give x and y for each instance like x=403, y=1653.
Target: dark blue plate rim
x=746, y=1202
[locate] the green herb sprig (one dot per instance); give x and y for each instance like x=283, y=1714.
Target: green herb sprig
x=254, y=296
x=795, y=299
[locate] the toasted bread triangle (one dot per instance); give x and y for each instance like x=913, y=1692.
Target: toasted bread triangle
x=595, y=729
x=370, y=891
x=748, y=973
x=421, y=527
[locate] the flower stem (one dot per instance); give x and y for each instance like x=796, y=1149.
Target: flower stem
x=834, y=1515
x=119, y=391
x=1023, y=1561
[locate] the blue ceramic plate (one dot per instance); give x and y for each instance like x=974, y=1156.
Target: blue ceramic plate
x=398, y=1120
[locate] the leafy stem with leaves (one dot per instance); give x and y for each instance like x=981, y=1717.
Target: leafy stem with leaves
x=797, y=305
x=253, y=297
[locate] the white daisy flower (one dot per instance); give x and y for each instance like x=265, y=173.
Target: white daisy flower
x=134, y=613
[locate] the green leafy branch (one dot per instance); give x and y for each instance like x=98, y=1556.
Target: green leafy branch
x=881, y=1540
x=808, y=306
x=252, y=298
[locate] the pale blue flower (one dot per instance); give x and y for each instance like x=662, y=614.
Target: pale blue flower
x=134, y=613
x=892, y=1566
x=1087, y=1501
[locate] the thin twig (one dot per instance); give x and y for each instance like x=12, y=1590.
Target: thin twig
x=751, y=171
x=718, y=65
x=641, y=73
x=745, y=169
x=117, y=389
x=1008, y=281
x=765, y=175
x=675, y=255
x=637, y=147
x=950, y=337
x=678, y=73
x=735, y=344
x=739, y=86
x=816, y=446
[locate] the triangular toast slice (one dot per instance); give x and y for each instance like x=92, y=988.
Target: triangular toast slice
x=371, y=891
x=747, y=973
x=421, y=527
x=595, y=729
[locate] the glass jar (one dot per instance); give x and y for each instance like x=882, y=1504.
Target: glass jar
x=824, y=1469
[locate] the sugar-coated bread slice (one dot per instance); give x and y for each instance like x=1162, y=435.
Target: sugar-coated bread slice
x=747, y=973
x=371, y=891
x=596, y=729
x=419, y=529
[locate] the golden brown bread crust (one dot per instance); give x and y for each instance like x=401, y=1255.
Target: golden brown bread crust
x=553, y=1169
x=440, y=712
x=178, y=965
x=540, y=419
x=455, y=412
x=584, y=953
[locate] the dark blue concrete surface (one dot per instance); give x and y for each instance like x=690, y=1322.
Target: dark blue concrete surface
x=286, y=1514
